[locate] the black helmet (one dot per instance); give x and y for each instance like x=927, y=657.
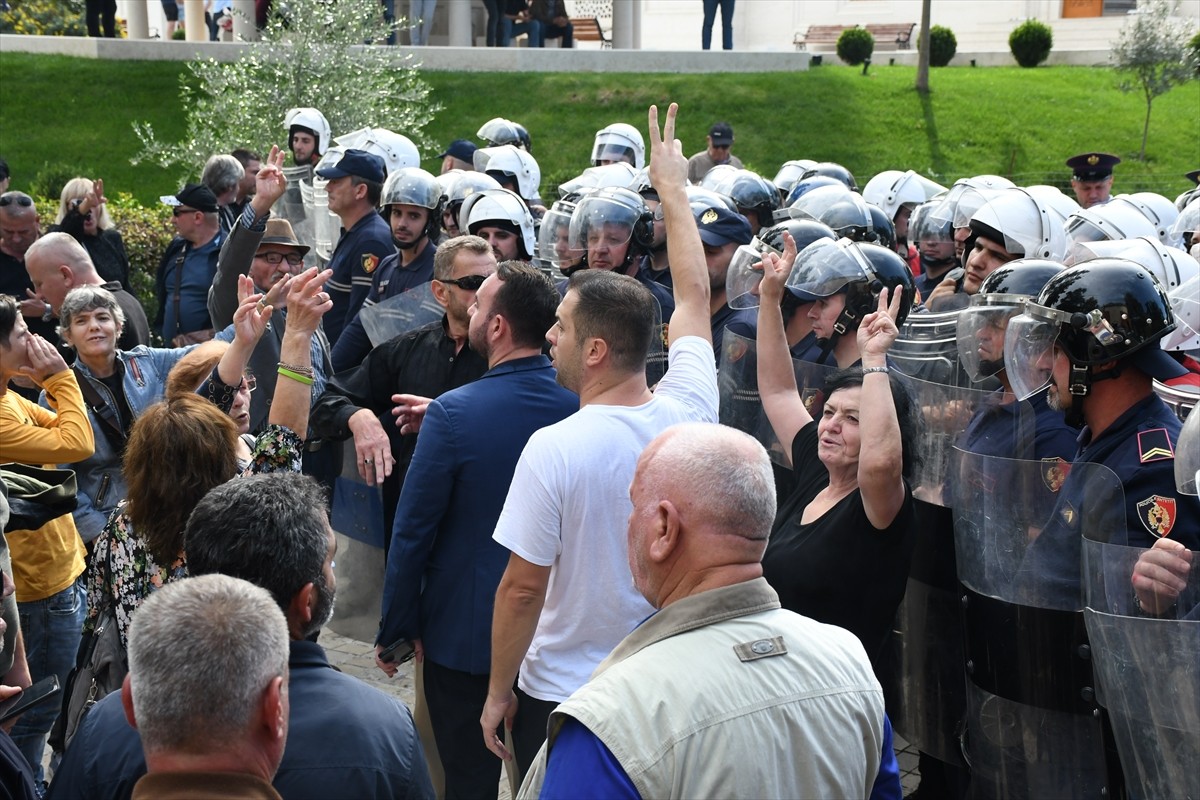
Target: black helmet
x=850, y=217
x=753, y=193
x=1019, y=280
x=858, y=270
x=1002, y=296
x=803, y=231
x=806, y=185
x=882, y=227
x=1106, y=309
x=831, y=169
x=887, y=271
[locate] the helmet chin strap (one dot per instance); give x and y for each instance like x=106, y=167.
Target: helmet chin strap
x=1080, y=386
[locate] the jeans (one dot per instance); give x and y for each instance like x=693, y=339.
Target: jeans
x=52, y=629
x=710, y=16
x=494, y=16
x=567, y=32
x=509, y=29
x=420, y=10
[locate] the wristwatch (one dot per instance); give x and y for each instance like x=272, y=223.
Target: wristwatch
x=48, y=314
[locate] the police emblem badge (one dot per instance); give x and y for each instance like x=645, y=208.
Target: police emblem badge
x=1157, y=514
x=369, y=263
x=709, y=217
x=1054, y=472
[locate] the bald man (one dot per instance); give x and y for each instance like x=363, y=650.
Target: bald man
x=721, y=687
x=57, y=263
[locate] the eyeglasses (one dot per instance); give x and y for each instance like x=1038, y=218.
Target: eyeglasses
x=470, y=283
x=23, y=200
x=179, y=211
x=275, y=259
x=249, y=383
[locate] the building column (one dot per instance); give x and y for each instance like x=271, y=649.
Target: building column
x=244, y=29
x=193, y=21
x=622, y=30
x=137, y=21
x=459, y=23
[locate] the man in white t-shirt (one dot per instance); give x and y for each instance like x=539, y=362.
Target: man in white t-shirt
x=566, y=598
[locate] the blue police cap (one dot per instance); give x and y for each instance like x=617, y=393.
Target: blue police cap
x=1092, y=166
x=719, y=226
x=358, y=163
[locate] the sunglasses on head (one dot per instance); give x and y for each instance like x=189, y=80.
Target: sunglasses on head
x=23, y=200
x=470, y=283
x=274, y=259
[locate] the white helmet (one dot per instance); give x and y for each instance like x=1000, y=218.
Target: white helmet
x=619, y=142
x=892, y=189
x=1160, y=211
x=617, y=174
x=312, y=121
x=1171, y=266
x=512, y=161
x=1108, y=221
x=1185, y=303
x=498, y=205
x=1022, y=224
x=1058, y=202
x=395, y=149
x=790, y=173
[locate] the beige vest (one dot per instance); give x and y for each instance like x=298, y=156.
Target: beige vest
x=724, y=694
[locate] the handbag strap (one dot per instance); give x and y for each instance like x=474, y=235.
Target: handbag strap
x=110, y=423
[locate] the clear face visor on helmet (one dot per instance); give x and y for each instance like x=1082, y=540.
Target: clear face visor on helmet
x=851, y=218
x=600, y=221
x=789, y=174
x=1185, y=304
x=554, y=237
x=1188, y=220
x=931, y=223
x=1081, y=229
x=967, y=203
x=980, y=332
x=744, y=275
x=410, y=187
x=719, y=178
x=1171, y=267
x=812, y=205
x=499, y=131
x=825, y=267
x=1029, y=346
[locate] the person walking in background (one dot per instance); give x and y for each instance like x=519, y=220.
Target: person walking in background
x=710, y=16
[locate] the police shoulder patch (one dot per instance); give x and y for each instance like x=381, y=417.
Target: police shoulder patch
x=1155, y=445
x=369, y=262
x=1054, y=472
x=1157, y=514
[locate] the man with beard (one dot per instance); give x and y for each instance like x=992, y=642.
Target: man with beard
x=443, y=566
x=412, y=204
x=426, y=362
x=345, y=738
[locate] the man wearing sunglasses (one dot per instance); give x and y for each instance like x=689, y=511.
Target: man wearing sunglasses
x=266, y=250
x=187, y=268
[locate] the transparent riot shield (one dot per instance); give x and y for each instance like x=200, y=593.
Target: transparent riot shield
x=927, y=348
x=1187, y=456
x=923, y=682
x=326, y=226
x=400, y=313
x=1033, y=728
x=292, y=208
x=1147, y=673
x=741, y=406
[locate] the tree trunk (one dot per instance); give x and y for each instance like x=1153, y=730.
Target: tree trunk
x=923, y=47
x=1146, y=127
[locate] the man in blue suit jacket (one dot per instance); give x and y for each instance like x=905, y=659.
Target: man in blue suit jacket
x=443, y=566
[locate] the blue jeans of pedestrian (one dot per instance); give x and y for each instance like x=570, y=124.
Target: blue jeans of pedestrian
x=52, y=628
x=509, y=29
x=710, y=16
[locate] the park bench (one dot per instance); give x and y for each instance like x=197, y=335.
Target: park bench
x=892, y=35
x=587, y=29
x=819, y=34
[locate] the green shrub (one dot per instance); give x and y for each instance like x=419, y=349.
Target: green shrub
x=51, y=178
x=147, y=232
x=44, y=18
x=1194, y=47
x=855, y=45
x=1030, y=42
x=942, y=46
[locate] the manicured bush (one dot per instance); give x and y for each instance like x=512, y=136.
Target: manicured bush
x=1030, y=42
x=942, y=46
x=855, y=45
x=43, y=17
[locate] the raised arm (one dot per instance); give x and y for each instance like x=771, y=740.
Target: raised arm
x=307, y=303
x=881, y=461
x=64, y=438
x=776, y=377
x=689, y=271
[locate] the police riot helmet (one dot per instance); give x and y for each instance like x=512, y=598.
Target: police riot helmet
x=310, y=121
x=812, y=204
x=1185, y=303
x=701, y=198
x=618, y=173
x=831, y=169
x=1002, y=295
x=413, y=186
x=857, y=269
x=1021, y=224
x=553, y=240
x=1108, y=221
x=492, y=206
x=882, y=228
x=499, y=131
x=396, y=149
x=886, y=270
x=619, y=142
x=615, y=216
x=1062, y=205
x=507, y=163
x=789, y=175
x=745, y=268
x=753, y=195
x=1103, y=310
x=850, y=217
x=892, y=189
x=1188, y=223
x=806, y=185
x=717, y=178
x=467, y=184
x=1158, y=211
x=642, y=185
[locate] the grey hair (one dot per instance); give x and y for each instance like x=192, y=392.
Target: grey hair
x=222, y=173
x=725, y=473
x=88, y=298
x=201, y=652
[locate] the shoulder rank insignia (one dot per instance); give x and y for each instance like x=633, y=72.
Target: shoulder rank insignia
x=1157, y=513
x=1054, y=472
x=1154, y=445
x=1068, y=515
x=369, y=262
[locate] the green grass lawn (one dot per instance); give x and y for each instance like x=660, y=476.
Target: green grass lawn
x=77, y=112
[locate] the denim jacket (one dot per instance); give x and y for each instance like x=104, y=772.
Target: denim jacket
x=101, y=484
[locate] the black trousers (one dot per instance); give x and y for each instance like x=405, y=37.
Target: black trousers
x=455, y=700
x=529, y=729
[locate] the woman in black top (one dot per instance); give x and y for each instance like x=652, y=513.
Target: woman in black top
x=83, y=213
x=842, y=542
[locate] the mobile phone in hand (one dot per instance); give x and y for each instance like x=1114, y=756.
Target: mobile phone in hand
x=399, y=652
x=43, y=691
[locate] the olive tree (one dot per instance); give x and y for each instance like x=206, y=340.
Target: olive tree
x=317, y=53
x=1152, y=55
